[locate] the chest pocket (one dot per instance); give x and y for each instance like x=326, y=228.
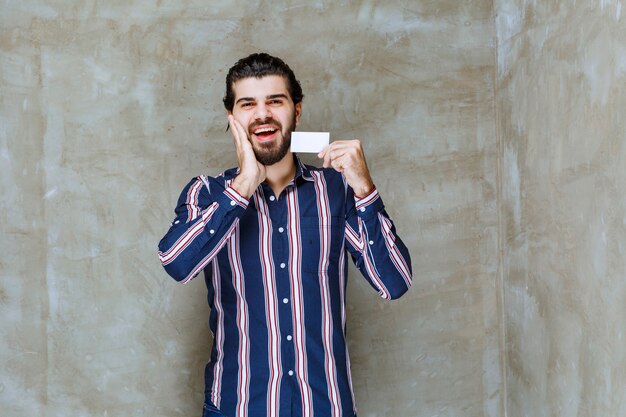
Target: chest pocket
x=321, y=243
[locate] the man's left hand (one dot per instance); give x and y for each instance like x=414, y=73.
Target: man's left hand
x=347, y=156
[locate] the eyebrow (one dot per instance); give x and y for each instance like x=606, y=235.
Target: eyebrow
x=270, y=97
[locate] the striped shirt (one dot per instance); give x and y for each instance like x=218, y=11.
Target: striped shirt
x=275, y=268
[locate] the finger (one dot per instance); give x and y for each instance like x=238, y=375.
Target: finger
x=323, y=152
x=233, y=128
x=353, y=151
x=339, y=164
x=337, y=149
x=335, y=158
x=334, y=154
x=324, y=155
x=326, y=159
x=241, y=137
x=242, y=132
x=330, y=156
x=329, y=153
x=346, y=146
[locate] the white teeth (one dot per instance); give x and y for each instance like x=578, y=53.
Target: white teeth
x=265, y=129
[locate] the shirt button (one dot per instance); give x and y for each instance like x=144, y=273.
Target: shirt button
x=371, y=242
x=289, y=337
x=280, y=229
x=211, y=231
x=290, y=373
x=177, y=221
x=272, y=198
x=285, y=300
x=282, y=265
x=362, y=209
x=232, y=203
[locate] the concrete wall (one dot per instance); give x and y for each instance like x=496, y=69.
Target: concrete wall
x=561, y=97
x=108, y=108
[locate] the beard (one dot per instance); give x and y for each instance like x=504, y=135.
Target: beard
x=269, y=153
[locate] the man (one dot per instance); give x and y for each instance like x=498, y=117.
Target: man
x=271, y=237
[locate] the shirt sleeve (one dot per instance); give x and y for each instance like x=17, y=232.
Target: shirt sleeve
x=376, y=249
x=206, y=215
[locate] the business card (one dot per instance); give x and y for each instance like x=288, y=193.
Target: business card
x=312, y=142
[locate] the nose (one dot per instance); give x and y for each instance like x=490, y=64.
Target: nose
x=262, y=112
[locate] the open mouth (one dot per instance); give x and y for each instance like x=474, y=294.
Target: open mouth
x=265, y=133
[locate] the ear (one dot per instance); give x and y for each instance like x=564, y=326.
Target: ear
x=298, y=112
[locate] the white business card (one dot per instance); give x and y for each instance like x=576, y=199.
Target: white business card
x=312, y=142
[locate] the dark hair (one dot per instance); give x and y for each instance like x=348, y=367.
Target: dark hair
x=260, y=65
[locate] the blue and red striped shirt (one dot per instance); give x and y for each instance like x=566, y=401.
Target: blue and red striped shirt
x=275, y=268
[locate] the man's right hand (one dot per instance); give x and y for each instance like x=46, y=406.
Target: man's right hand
x=251, y=171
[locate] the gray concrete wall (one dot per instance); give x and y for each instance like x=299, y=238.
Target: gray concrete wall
x=561, y=96
x=108, y=108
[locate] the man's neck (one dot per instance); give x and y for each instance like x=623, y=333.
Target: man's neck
x=281, y=173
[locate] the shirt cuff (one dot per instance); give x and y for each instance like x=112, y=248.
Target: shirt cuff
x=235, y=197
x=369, y=203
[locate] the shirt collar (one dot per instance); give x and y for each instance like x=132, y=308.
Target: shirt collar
x=302, y=170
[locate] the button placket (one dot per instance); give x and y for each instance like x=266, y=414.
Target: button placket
x=278, y=213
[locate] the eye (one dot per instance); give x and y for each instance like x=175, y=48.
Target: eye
x=247, y=104
x=276, y=101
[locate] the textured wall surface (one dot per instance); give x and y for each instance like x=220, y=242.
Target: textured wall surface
x=108, y=108
x=560, y=102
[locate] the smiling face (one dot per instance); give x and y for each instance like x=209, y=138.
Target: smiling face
x=265, y=109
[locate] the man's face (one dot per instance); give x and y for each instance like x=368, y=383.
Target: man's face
x=266, y=111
